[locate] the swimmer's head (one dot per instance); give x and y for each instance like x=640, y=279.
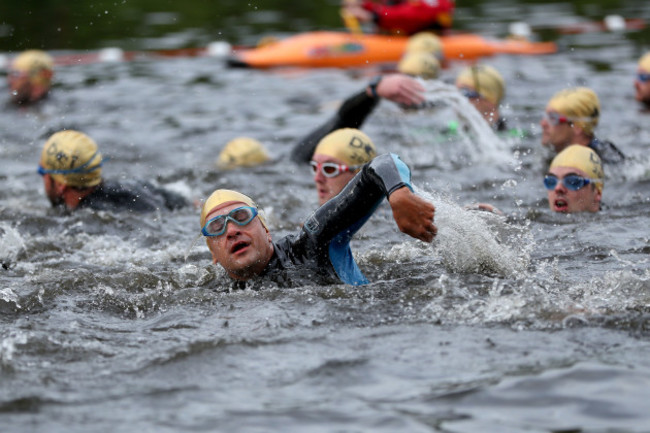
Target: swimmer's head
x=642, y=82
x=425, y=42
x=222, y=197
x=30, y=76
x=419, y=64
x=73, y=159
x=483, y=79
x=584, y=159
x=580, y=105
x=350, y=145
x=32, y=61
x=242, y=152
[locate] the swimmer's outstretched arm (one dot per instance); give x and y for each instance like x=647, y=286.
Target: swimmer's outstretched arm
x=413, y=214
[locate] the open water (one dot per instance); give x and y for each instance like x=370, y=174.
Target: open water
x=535, y=321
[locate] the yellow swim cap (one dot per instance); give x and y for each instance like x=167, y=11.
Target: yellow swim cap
x=485, y=80
x=72, y=158
x=349, y=145
x=644, y=62
x=32, y=60
x=583, y=158
x=580, y=105
x=420, y=64
x=242, y=152
x=222, y=196
x=425, y=42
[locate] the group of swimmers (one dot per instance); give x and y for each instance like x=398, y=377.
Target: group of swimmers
x=351, y=179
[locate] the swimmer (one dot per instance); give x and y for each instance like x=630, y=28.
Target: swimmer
x=570, y=118
x=30, y=76
x=239, y=239
x=399, y=88
x=642, y=82
x=242, y=152
x=484, y=86
x=405, y=17
x=337, y=158
x=71, y=166
x=575, y=180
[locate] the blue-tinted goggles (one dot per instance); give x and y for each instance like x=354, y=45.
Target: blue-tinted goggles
x=644, y=78
x=240, y=216
x=572, y=182
x=470, y=93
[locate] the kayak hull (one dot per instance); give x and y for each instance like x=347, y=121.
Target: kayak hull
x=344, y=50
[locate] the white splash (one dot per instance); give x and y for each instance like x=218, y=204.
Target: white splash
x=11, y=244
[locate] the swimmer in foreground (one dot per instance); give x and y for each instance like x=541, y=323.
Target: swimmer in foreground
x=575, y=180
x=239, y=238
x=404, y=17
x=642, y=82
x=570, y=118
x=71, y=166
x=30, y=76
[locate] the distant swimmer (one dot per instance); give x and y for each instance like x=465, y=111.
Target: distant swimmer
x=570, y=118
x=239, y=239
x=403, y=17
x=642, y=82
x=575, y=180
x=30, y=76
x=485, y=88
x=242, y=152
x=71, y=166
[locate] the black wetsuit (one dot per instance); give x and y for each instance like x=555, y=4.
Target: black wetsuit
x=321, y=252
x=132, y=196
x=608, y=152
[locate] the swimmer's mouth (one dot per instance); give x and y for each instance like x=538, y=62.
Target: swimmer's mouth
x=561, y=205
x=238, y=246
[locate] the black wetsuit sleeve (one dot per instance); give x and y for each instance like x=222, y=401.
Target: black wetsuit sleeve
x=359, y=199
x=352, y=113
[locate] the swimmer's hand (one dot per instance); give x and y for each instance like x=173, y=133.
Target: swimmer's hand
x=401, y=89
x=413, y=214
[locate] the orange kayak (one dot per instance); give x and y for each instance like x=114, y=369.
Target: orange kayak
x=342, y=50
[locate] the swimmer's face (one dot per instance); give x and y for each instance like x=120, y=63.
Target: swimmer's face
x=328, y=187
x=642, y=88
x=556, y=135
x=561, y=199
x=243, y=251
x=29, y=86
x=52, y=191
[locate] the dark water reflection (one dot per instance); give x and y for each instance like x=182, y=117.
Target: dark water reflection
x=538, y=322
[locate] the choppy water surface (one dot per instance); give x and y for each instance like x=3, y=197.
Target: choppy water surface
x=532, y=322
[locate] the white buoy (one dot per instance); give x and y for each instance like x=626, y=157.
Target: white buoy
x=520, y=29
x=112, y=54
x=219, y=49
x=615, y=23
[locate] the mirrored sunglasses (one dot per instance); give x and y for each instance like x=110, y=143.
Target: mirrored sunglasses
x=240, y=216
x=572, y=182
x=331, y=169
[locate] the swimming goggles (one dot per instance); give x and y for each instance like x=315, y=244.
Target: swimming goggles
x=470, y=93
x=331, y=169
x=572, y=182
x=240, y=216
x=644, y=78
x=555, y=119
x=82, y=169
